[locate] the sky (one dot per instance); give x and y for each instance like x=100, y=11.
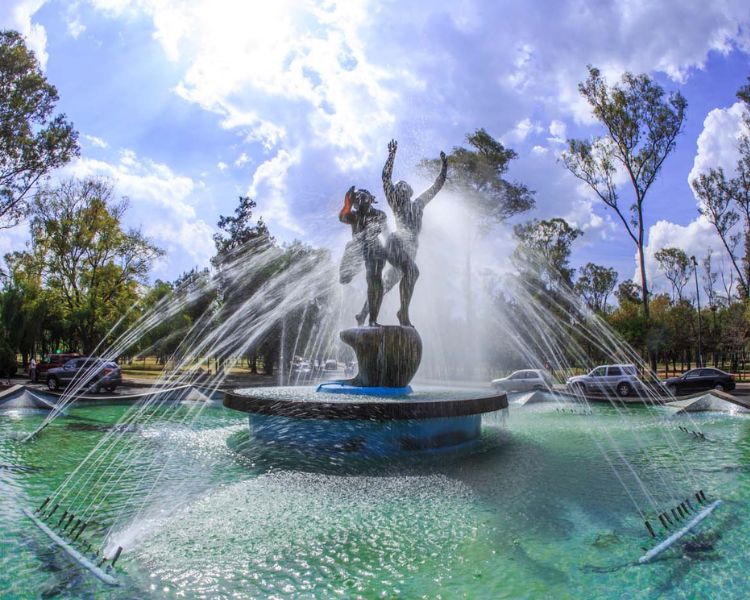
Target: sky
x=186, y=105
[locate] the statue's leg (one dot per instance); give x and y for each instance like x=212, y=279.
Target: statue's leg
x=400, y=256
x=374, y=263
x=351, y=261
x=406, y=288
x=392, y=277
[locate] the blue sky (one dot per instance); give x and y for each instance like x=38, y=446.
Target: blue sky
x=187, y=105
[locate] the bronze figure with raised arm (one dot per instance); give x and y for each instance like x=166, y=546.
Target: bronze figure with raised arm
x=402, y=245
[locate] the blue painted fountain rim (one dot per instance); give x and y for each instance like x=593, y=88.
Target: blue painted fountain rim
x=337, y=387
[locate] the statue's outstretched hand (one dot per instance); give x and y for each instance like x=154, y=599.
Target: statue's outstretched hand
x=392, y=145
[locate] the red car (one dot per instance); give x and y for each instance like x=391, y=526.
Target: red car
x=52, y=361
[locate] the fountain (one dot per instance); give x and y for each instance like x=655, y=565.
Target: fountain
x=376, y=412
x=157, y=484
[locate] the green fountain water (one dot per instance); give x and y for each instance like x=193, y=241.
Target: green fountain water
x=533, y=511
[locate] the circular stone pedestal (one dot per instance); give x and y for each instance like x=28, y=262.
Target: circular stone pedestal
x=302, y=418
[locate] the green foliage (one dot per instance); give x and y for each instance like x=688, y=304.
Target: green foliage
x=478, y=174
x=7, y=360
x=239, y=230
x=32, y=141
x=595, y=284
x=87, y=264
x=544, y=249
x=628, y=292
x=677, y=268
x=641, y=131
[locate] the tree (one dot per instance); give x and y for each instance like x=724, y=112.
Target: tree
x=717, y=196
x=239, y=230
x=641, y=131
x=595, y=284
x=478, y=174
x=89, y=264
x=544, y=250
x=677, y=268
x=628, y=292
x=32, y=141
x=725, y=201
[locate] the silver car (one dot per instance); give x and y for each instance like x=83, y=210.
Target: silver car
x=623, y=379
x=524, y=381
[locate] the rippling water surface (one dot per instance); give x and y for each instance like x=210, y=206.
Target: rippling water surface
x=533, y=511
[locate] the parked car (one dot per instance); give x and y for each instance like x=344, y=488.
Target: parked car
x=622, y=379
x=52, y=361
x=524, y=381
x=700, y=380
x=97, y=374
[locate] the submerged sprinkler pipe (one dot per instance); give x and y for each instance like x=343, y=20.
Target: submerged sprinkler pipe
x=80, y=531
x=65, y=514
x=117, y=555
x=76, y=526
x=43, y=505
x=685, y=508
x=663, y=521
x=70, y=520
x=54, y=510
x=703, y=495
x=650, y=529
x=675, y=515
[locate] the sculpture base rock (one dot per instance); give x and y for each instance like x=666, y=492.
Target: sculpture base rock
x=388, y=355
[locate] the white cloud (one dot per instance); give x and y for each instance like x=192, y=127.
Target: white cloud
x=717, y=143
x=96, y=142
x=521, y=131
x=75, y=28
x=242, y=159
x=161, y=202
x=269, y=189
x=17, y=14
x=221, y=165
x=557, y=130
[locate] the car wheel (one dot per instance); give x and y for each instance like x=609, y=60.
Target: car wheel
x=672, y=389
x=52, y=383
x=719, y=388
x=111, y=388
x=623, y=389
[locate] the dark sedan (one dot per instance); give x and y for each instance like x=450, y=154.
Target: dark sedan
x=700, y=380
x=95, y=372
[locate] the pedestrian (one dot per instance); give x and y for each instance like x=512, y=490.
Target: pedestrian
x=32, y=370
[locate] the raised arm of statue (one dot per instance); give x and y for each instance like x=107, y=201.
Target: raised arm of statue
x=429, y=194
x=388, y=188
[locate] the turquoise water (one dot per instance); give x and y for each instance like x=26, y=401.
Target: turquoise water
x=533, y=511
